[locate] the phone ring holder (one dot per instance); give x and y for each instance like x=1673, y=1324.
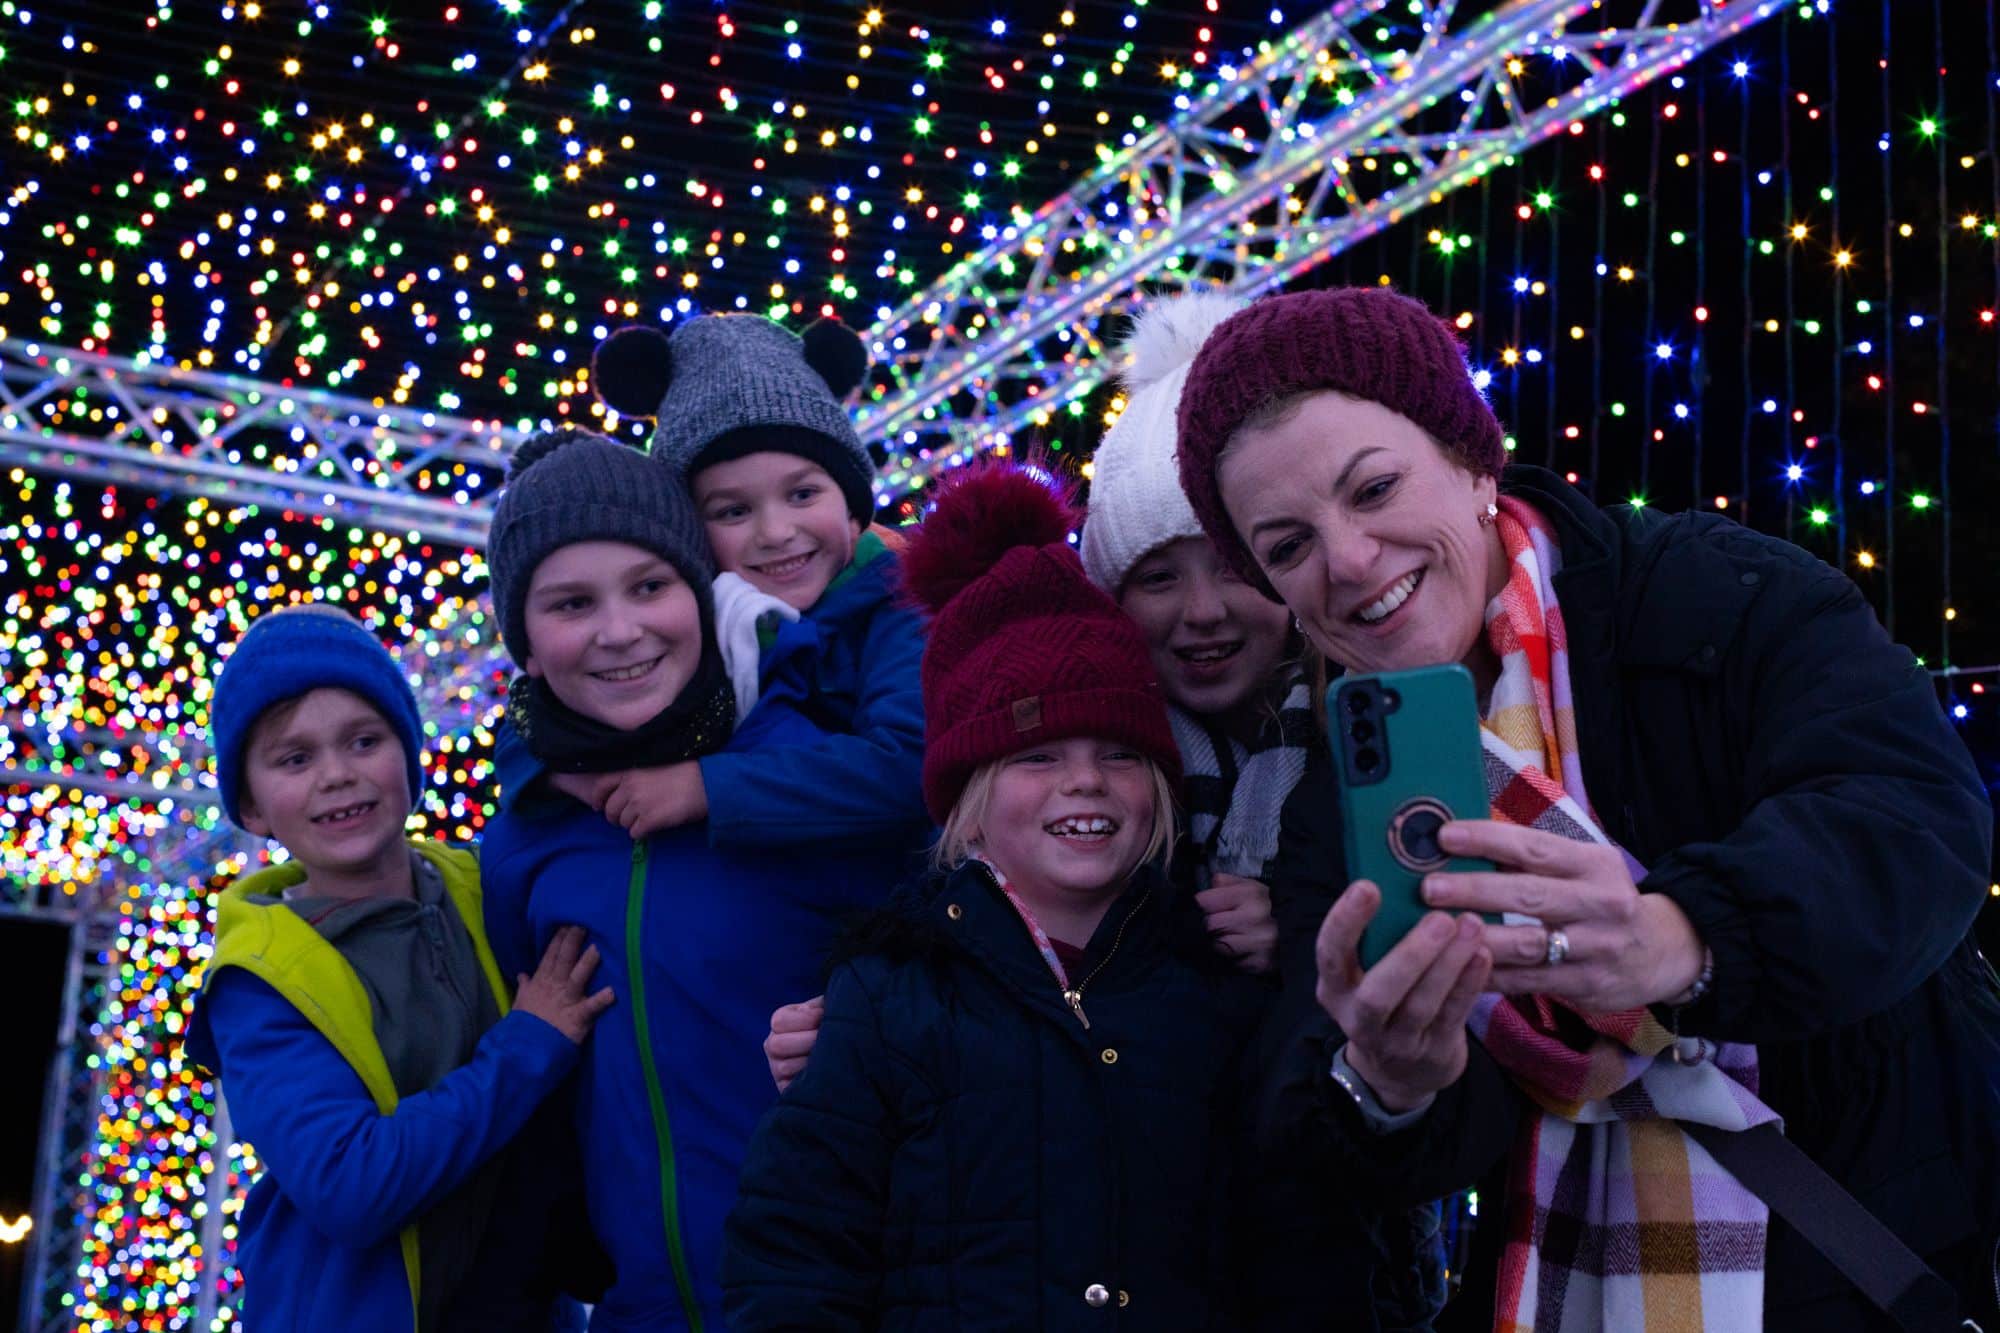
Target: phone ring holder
x=1413, y=834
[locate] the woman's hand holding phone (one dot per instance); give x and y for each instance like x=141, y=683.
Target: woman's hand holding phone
x=1626, y=948
x=1404, y=1018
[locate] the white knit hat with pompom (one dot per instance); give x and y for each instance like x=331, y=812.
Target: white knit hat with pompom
x=1136, y=503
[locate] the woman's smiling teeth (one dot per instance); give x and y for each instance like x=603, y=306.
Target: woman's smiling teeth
x=1385, y=605
x=619, y=675
x=1089, y=827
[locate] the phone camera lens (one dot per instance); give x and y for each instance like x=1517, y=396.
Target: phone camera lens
x=1362, y=731
x=1366, y=760
x=1358, y=701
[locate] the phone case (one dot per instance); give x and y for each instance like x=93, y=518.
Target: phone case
x=1429, y=770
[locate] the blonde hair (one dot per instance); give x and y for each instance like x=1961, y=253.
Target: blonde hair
x=960, y=838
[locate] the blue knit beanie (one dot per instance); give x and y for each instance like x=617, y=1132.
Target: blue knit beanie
x=295, y=651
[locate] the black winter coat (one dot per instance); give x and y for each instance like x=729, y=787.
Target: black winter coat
x=1783, y=769
x=963, y=1154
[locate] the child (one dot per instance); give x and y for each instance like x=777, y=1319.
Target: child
x=750, y=418
x=1242, y=711
x=1017, y=1115
x=352, y=1009
x=601, y=584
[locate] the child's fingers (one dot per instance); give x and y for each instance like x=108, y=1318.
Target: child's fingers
x=598, y=1001
x=1227, y=891
x=1236, y=918
x=584, y=967
x=550, y=964
x=798, y=1017
x=789, y=1045
x=560, y=956
x=1221, y=898
x=585, y=787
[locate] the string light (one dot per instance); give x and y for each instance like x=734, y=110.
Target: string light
x=290, y=201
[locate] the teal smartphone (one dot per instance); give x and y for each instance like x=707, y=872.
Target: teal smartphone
x=1407, y=755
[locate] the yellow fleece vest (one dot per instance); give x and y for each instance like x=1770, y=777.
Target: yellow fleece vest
x=276, y=945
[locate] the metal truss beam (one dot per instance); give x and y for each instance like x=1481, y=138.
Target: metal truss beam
x=1253, y=182
x=240, y=441
x=1256, y=182
x=69, y=1133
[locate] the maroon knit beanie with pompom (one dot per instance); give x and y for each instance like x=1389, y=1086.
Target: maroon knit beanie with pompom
x=1022, y=647
x=1367, y=342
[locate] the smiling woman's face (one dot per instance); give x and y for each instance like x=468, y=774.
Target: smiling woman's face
x=1369, y=532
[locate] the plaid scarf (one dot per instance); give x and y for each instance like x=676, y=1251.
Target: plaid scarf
x=1234, y=792
x=1614, y=1218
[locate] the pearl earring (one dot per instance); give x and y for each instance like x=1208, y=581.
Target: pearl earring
x=1486, y=519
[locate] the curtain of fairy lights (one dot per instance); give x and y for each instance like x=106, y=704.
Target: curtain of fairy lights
x=1765, y=287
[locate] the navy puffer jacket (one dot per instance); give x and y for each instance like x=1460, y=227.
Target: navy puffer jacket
x=1753, y=736
x=963, y=1153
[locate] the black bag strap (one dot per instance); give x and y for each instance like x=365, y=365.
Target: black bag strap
x=1870, y=1255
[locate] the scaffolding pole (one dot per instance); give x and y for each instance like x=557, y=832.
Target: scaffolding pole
x=69, y=1127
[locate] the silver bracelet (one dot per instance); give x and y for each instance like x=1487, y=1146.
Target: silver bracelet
x=1701, y=983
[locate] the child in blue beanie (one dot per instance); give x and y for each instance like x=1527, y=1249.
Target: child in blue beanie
x=602, y=585
x=353, y=1011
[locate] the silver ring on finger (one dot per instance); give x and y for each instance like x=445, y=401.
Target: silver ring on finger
x=1558, y=948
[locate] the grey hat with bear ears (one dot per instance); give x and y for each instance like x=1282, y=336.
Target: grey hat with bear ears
x=722, y=386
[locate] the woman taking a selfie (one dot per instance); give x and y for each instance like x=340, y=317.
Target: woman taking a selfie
x=1741, y=849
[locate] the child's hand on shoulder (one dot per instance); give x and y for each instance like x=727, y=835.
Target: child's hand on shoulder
x=642, y=801
x=590, y=788
x=1240, y=921
x=794, y=1032
x=558, y=993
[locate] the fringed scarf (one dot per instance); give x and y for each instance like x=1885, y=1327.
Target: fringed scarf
x=1235, y=792
x=1615, y=1219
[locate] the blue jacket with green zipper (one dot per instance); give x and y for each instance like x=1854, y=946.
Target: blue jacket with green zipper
x=852, y=663
x=701, y=943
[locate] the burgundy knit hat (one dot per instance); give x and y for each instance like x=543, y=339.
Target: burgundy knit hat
x=1366, y=342
x=1022, y=648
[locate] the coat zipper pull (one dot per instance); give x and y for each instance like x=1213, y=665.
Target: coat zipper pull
x=1075, y=999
